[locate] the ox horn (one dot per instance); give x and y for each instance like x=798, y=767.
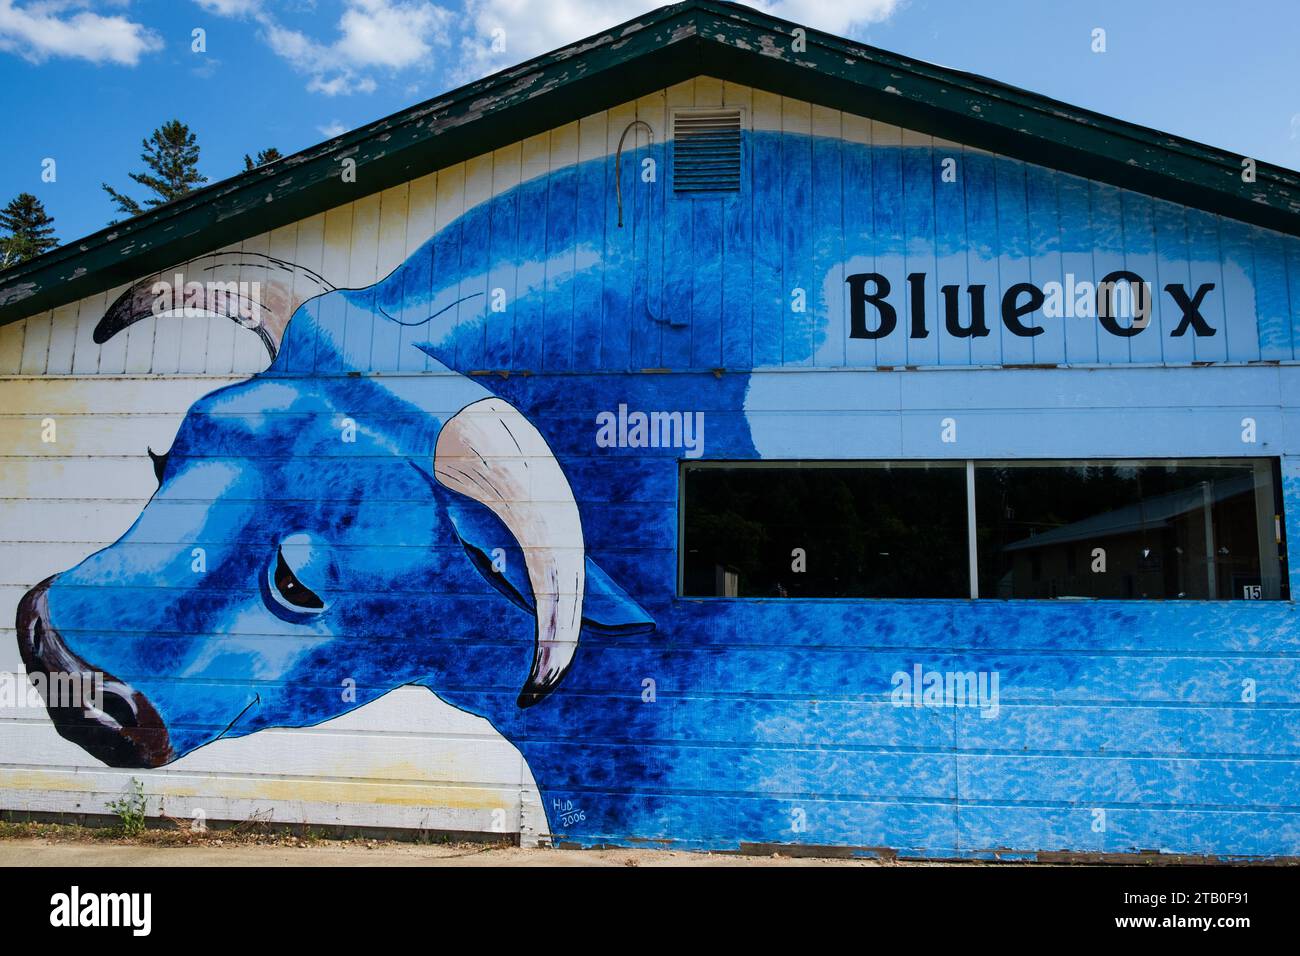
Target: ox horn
x=259, y=292
x=489, y=452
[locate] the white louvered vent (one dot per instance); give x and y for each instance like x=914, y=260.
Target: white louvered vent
x=706, y=151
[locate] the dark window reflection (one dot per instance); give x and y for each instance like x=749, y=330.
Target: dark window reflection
x=866, y=530
x=1191, y=530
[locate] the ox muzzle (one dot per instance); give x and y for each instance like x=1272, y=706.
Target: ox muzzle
x=116, y=723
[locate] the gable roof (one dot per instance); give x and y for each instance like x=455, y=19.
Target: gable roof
x=666, y=46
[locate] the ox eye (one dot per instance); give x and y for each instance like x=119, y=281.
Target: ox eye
x=291, y=591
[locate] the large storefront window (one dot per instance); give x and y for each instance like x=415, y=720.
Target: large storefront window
x=874, y=529
x=1192, y=529
x=1153, y=529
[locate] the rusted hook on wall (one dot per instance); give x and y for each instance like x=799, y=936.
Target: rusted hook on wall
x=618, y=160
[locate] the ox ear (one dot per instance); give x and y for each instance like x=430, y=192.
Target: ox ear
x=606, y=607
x=258, y=291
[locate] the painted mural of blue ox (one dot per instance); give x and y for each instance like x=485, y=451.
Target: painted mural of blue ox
x=318, y=527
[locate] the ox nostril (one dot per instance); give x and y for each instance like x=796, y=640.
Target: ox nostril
x=119, y=709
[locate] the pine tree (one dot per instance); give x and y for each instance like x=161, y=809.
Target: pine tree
x=30, y=230
x=263, y=157
x=172, y=154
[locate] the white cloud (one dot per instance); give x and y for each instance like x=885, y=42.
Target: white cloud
x=1295, y=126
x=42, y=29
x=536, y=26
x=230, y=8
x=372, y=34
x=299, y=49
x=332, y=129
x=841, y=18
x=207, y=68
x=343, y=83
x=397, y=35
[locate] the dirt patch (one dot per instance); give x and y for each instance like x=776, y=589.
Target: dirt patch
x=45, y=844
x=257, y=843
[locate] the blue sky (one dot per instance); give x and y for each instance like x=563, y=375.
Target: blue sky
x=86, y=80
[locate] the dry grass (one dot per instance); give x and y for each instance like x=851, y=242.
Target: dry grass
x=179, y=833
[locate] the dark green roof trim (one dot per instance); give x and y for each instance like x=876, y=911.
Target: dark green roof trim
x=664, y=47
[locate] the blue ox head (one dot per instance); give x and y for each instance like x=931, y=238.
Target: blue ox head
x=320, y=537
